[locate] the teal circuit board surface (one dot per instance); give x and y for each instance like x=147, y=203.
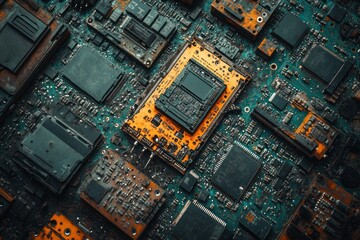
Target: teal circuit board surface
x=179, y=119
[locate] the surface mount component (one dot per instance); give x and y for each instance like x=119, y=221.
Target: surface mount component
x=249, y=16
x=187, y=102
x=266, y=48
x=235, y=171
x=60, y=228
x=337, y=219
x=56, y=149
x=190, y=97
x=28, y=38
x=195, y=222
x=255, y=223
x=92, y=73
x=140, y=31
x=337, y=13
x=291, y=30
x=122, y=194
x=330, y=68
x=314, y=136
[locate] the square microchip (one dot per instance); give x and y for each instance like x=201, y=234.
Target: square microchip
x=322, y=63
x=92, y=73
x=56, y=149
x=291, y=30
x=327, y=66
x=256, y=224
x=195, y=222
x=96, y=191
x=235, y=171
x=191, y=96
x=337, y=13
x=278, y=101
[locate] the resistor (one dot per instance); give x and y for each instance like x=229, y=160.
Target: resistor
x=287, y=117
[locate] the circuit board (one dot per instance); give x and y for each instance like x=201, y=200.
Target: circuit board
x=179, y=119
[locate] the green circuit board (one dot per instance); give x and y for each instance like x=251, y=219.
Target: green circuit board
x=297, y=116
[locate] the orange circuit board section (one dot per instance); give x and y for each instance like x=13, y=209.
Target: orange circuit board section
x=122, y=194
x=60, y=228
x=327, y=212
x=164, y=132
x=249, y=16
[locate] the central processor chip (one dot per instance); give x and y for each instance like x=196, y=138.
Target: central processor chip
x=190, y=97
x=188, y=101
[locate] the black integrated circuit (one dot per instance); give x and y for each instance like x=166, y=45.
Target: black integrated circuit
x=139, y=33
x=56, y=148
x=92, y=73
x=256, y=224
x=191, y=96
x=235, y=171
x=327, y=66
x=96, y=191
x=278, y=101
x=195, y=222
x=22, y=33
x=28, y=39
x=291, y=30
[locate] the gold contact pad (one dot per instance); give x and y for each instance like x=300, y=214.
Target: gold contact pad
x=141, y=121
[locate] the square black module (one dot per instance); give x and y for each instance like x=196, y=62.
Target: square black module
x=92, y=73
x=195, y=222
x=322, y=63
x=291, y=30
x=96, y=191
x=278, y=101
x=256, y=224
x=56, y=149
x=191, y=96
x=337, y=13
x=327, y=66
x=235, y=171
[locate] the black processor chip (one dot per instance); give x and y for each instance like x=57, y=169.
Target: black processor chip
x=191, y=96
x=322, y=63
x=327, y=66
x=291, y=30
x=256, y=224
x=56, y=149
x=195, y=222
x=96, y=191
x=235, y=172
x=337, y=13
x=278, y=101
x=92, y=73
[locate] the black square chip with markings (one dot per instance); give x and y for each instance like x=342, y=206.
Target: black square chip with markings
x=191, y=96
x=195, y=222
x=92, y=73
x=235, y=172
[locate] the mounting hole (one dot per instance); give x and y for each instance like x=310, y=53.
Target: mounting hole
x=53, y=223
x=67, y=231
x=247, y=109
x=133, y=231
x=260, y=19
x=273, y=66
x=157, y=193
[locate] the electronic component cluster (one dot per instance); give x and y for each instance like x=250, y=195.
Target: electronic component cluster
x=179, y=119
